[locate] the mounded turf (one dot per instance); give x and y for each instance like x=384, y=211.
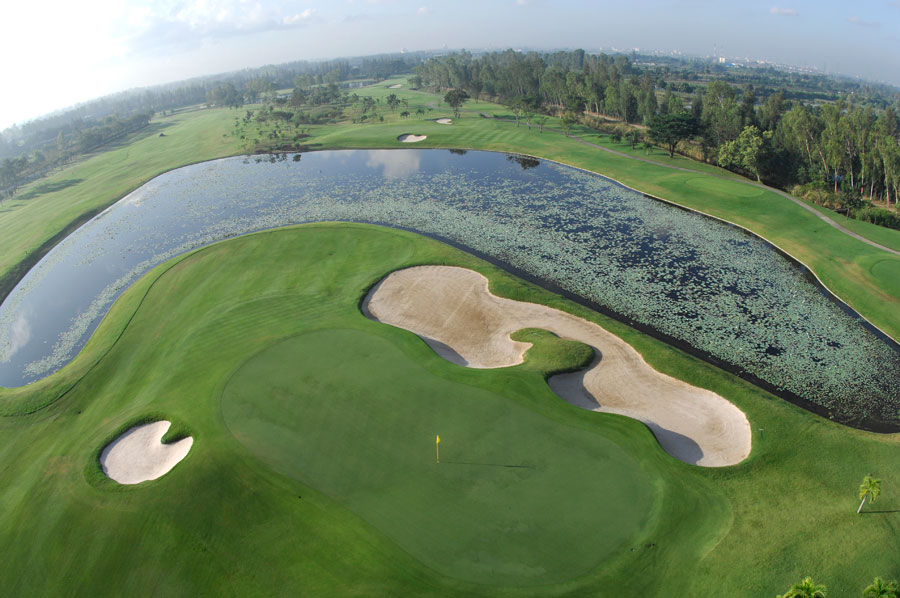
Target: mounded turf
x=351, y=415
x=228, y=520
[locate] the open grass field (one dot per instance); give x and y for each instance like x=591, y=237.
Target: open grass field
x=312, y=468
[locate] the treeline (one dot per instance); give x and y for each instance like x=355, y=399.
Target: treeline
x=15, y=172
x=238, y=87
x=843, y=154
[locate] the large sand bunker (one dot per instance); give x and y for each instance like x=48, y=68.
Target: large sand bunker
x=455, y=313
x=444, y=121
x=410, y=138
x=138, y=455
x=395, y=86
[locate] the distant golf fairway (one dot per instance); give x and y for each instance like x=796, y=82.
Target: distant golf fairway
x=352, y=416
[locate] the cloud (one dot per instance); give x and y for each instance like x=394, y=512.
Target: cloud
x=785, y=12
x=423, y=10
x=863, y=23
x=362, y=17
x=300, y=17
x=185, y=25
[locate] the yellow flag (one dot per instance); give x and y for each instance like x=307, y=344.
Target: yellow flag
x=438, y=441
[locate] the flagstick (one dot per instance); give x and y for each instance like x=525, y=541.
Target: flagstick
x=437, y=450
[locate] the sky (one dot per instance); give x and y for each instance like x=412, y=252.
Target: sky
x=59, y=52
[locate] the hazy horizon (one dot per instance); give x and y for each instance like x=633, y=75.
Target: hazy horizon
x=118, y=46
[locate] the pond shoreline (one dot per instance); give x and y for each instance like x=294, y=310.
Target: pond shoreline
x=668, y=276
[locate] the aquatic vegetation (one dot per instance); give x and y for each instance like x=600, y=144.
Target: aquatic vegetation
x=709, y=285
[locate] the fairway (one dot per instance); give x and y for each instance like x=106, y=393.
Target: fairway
x=724, y=187
x=349, y=414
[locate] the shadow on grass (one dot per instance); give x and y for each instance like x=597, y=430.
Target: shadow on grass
x=48, y=188
x=873, y=512
x=487, y=464
x=149, y=131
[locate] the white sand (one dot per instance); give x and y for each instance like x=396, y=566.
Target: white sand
x=138, y=455
x=395, y=86
x=444, y=121
x=455, y=313
x=410, y=138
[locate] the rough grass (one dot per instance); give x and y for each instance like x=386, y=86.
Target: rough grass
x=227, y=522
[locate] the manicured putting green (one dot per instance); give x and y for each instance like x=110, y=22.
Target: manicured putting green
x=723, y=187
x=888, y=270
x=518, y=498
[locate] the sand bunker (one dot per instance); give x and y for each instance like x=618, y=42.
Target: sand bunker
x=395, y=86
x=444, y=121
x=453, y=311
x=410, y=138
x=138, y=455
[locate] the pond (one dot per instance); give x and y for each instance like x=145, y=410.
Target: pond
x=704, y=285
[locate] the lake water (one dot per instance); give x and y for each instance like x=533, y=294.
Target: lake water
x=706, y=285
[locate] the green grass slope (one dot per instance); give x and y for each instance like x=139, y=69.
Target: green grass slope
x=319, y=483
x=348, y=413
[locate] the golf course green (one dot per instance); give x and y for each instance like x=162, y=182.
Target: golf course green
x=312, y=469
x=350, y=414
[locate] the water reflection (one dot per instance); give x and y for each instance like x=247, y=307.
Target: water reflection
x=394, y=163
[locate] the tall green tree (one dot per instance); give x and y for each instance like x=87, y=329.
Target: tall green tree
x=669, y=129
x=748, y=151
x=807, y=588
x=870, y=488
x=455, y=98
x=721, y=115
x=393, y=101
x=882, y=589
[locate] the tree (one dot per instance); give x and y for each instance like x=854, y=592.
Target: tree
x=393, y=101
x=567, y=121
x=882, y=589
x=806, y=589
x=517, y=105
x=748, y=151
x=634, y=137
x=870, y=487
x=541, y=121
x=669, y=129
x=455, y=98
x=721, y=114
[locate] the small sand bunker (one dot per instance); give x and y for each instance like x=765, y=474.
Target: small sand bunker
x=139, y=455
x=395, y=86
x=410, y=138
x=444, y=121
x=455, y=313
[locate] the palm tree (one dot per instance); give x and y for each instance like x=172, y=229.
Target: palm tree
x=805, y=589
x=881, y=589
x=870, y=487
